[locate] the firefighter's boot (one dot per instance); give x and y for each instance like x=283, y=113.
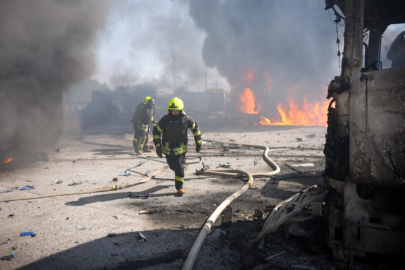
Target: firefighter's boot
x=181, y=191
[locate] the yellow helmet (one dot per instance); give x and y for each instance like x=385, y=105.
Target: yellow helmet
x=176, y=104
x=146, y=99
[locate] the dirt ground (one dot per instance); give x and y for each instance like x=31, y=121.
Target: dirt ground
x=101, y=230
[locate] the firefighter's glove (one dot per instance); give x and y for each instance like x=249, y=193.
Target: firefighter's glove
x=198, y=148
x=155, y=122
x=159, y=151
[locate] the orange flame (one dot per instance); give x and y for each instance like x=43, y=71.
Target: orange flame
x=247, y=101
x=8, y=160
x=312, y=114
x=250, y=76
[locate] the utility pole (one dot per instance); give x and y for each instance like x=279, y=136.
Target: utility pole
x=216, y=82
x=173, y=67
x=206, y=78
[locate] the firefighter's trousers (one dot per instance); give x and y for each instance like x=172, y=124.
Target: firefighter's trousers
x=176, y=164
x=143, y=140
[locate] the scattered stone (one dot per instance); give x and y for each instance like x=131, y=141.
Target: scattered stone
x=258, y=213
x=75, y=184
x=295, y=266
x=6, y=242
x=224, y=166
x=275, y=255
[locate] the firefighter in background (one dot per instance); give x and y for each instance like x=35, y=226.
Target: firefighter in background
x=170, y=138
x=146, y=117
x=134, y=121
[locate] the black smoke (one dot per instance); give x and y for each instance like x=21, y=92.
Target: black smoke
x=284, y=43
x=45, y=47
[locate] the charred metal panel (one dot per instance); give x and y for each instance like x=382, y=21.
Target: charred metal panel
x=375, y=225
x=377, y=128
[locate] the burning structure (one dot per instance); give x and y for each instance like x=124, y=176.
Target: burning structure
x=365, y=142
x=273, y=80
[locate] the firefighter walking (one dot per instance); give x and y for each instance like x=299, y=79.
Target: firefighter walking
x=145, y=116
x=134, y=121
x=170, y=138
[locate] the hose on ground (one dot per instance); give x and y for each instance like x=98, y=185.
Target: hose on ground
x=192, y=255
x=269, y=161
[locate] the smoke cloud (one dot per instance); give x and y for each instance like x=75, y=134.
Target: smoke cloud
x=140, y=40
x=276, y=48
x=46, y=46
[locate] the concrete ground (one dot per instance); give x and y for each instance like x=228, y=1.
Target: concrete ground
x=101, y=230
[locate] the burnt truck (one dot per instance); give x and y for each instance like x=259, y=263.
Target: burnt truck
x=365, y=140
x=363, y=196
x=102, y=109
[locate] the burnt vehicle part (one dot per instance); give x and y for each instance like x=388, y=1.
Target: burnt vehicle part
x=101, y=110
x=365, y=140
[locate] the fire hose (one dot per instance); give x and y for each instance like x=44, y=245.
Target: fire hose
x=192, y=255
x=102, y=189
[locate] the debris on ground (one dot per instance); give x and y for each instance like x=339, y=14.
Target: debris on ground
x=292, y=168
x=27, y=187
x=9, y=190
x=142, y=237
x=275, y=255
x=302, y=165
x=310, y=136
x=6, y=242
x=139, y=196
x=205, y=167
x=75, y=184
x=216, y=234
x=299, y=139
x=224, y=166
x=125, y=174
x=30, y=233
x=258, y=214
x=8, y=257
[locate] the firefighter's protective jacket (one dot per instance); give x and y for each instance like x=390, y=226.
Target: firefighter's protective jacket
x=145, y=117
x=137, y=112
x=171, y=133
